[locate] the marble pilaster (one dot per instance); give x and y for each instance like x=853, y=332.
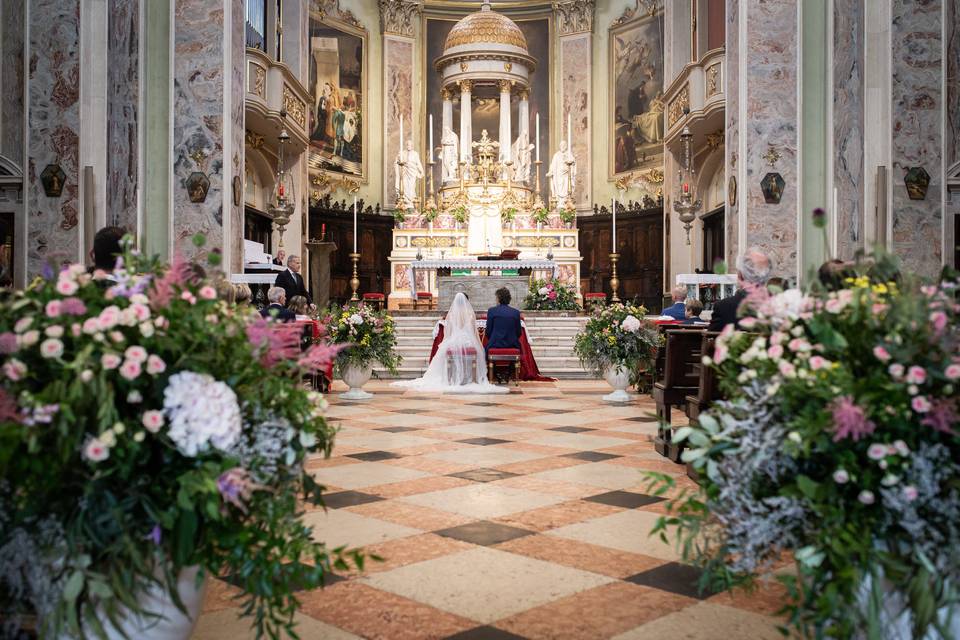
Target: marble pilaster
x=466, y=122
x=917, y=114
x=523, y=113
x=123, y=112
x=848, y=125
x=576, y=100
x=734, y=179
x=505, y=134
x=53, y=107
x=11, y=80
x=952, y=68
x=398, y=102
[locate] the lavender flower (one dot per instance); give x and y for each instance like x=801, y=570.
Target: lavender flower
x=155, y=535
x=236, y=487
x=849, y=420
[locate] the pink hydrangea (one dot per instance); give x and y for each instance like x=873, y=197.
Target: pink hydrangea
x=881, y=354
x=849, y=420
x=916, y=375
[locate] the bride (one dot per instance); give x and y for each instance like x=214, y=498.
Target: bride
x=459, y=365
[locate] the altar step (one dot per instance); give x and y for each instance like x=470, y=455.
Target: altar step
x=551, y=339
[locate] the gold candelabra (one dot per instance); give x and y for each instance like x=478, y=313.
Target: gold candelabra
x=614, y=280
x=355, y=278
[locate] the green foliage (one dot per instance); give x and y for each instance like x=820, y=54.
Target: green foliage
x=618, y=335
x=369, y=333
x=547, y=295
x=459, y=214
x=540, y=215
x=567, y=215
x=80, y=456
x=508, y=214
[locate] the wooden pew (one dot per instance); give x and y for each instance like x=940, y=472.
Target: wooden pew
x=680, y=378
x=707, y=391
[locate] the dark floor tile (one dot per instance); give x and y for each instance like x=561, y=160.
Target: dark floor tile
x=484, y=419
x=397, y=429
x=409, y=412
x=483, y=533
x=590, y=456
x=674, y=577
x=485, y=633
x=644, y=419
x=547, y=398
x=625, y=499
x=555, y=411
x=482, y=404
x=342, y=499
x=484, y=441
x=373, y=456
x=483, y=475
x=571, y=429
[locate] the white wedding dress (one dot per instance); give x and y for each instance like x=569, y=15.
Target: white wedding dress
x=459, y=365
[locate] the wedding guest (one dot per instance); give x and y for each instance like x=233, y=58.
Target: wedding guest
x=833, y=274
x=291, y=281
x=281, y=254
x=777, y=285
x=276, y=309
x=226, y=291
x=753, y=270
x=677, y=310
x=106, y=249
x=692, y=310
x=300, y=306
x=242, y=293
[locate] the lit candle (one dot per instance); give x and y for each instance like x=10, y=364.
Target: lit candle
x=430, y=154
x=613, y=203
x=354, y=224
x=537, y=139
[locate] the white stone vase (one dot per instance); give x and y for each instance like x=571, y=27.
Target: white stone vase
x=355, y=377
x=173, y=624
x=618, y=377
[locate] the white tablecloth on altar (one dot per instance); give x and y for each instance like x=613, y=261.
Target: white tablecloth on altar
x=478, y=265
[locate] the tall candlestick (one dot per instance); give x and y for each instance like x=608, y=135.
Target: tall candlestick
x=537, y=139
x=354, y=224
x=430, y=153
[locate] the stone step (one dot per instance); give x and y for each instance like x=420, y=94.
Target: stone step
x=561, y=373
x=535, y=341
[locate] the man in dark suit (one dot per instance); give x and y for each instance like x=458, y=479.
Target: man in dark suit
x=753, y=269
x=503, y=323
x=277, y=309
x=291, y=281
x=677, y=310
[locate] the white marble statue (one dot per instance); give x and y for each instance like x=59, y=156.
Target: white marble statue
x=407, y=175
x=521, y=158
x=449, y=155
x=562, y=174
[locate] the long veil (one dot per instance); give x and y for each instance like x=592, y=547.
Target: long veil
x=459, y=365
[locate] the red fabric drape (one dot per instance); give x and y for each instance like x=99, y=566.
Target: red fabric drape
x=528, y=364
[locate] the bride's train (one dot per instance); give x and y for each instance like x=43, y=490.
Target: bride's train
x=460, y=365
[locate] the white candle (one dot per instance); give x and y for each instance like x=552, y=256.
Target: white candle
x=614, y=225
x=537, y=139
x=430, y=154
x=354, y=224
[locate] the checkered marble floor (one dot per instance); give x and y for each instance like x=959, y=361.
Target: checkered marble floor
x=502, y=517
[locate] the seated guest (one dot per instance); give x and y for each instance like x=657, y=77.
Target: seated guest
x=693, y=308
x=677, y=310
x=291, y=281
x=226, y=291
x=299, y=305
x=279, y=257
x=753, y=270
x=242, y=293
x=276, y=309
x=833, y=274
x=106, y=250
x=777, y=285
x=503, y=323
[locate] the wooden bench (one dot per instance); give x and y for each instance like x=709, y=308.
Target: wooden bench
x=680, y=378
x=707, y=392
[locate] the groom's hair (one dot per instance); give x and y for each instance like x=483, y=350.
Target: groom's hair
x=503, y=295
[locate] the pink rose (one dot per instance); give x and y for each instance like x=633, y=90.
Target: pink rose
x=920, y=404
x=208, y=293
x=136, y=353
x=877, y=451
x=95, y=450
x=14, y=369
x=881, y=354
x=895, y=370
x=778, y=337
x=939, y=320
x=141, y=311
x=152, y=420
x=109, y=317
x=748, y=323
x=54, y=331
x=775, y=352
x=952, y=372
x=798, y=344
x=67, y=287
x=787, y=370
x=155, y=365
x=76, y=329
x=916, y=375
x=878, y=308
x=189, y=297
x=54, y=308
x=51, y=348
x=819, y=362
x=110, y=361
x=91, y=325
x=910, y=493
x=23, y=324
x=30, y=338
x=130, y=369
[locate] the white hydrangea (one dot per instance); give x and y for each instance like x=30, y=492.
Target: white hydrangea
x=630, y=323
x=356, y=319
x=201, y=411
x=543, y=291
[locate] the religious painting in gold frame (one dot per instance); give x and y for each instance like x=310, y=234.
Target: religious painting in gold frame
x=636, y=92
x=338, y=83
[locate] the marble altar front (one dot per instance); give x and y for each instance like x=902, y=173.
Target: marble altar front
x=481, y=290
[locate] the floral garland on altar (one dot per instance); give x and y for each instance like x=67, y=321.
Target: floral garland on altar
x=837, y=444
x=146, y=427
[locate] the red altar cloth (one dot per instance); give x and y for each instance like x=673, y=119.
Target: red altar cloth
x=529, y=370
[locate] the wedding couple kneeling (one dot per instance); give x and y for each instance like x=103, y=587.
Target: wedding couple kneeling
x=460, y=364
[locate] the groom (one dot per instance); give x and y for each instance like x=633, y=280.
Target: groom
x=503, y=323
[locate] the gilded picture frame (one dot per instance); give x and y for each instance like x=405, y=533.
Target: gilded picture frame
x=341, y=97
x=635, y=93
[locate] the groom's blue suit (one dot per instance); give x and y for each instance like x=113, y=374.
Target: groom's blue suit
x=503, y=327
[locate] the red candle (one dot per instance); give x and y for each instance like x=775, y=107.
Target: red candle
x=280, y=189
x=323, y=230
x=686, y=188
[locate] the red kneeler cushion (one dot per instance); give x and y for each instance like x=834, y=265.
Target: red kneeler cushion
x=593, y=296
x=373, y=296
x=503, y=352
x=424, y=294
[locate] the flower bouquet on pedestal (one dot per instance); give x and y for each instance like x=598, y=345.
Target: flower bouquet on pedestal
x=837, y=445
x=619, y=344
x=151, y=435
x=549, y=295
x=366, y=336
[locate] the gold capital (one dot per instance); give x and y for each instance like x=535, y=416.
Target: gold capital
x=446, y=94
x=524, y=93
x=505, y=86
x=466, y=86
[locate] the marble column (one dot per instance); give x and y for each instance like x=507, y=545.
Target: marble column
x=208, y=72
x=466, y=121
x=446, y=119
x=523, y=113
x=123, y=113
x=505, y=133
x=574, y=20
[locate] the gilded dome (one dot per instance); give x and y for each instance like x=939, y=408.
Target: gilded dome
x=486, y=27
